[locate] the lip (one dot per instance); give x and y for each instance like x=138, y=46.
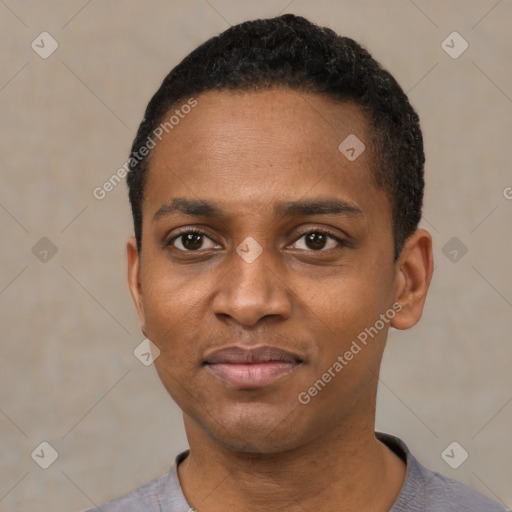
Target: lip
x=251, y=367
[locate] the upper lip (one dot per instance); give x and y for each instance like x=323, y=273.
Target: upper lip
x=262, y=354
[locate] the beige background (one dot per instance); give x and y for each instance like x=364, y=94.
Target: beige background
x=68, y=375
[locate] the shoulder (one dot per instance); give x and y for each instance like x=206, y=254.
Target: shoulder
x=425, y=490
x=145, y=497
x=162, y=494
x=447, y=494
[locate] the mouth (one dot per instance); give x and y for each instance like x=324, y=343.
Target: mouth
x=251, y=367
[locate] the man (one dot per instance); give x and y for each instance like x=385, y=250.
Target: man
x=276, y=185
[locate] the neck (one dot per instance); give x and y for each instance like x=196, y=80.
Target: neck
x=346, y=469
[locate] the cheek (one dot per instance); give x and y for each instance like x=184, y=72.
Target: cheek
x=168, y=294
x=349, y=350
x=167, y=306
x=173, y=323
x=345, y=302
x=345, y=309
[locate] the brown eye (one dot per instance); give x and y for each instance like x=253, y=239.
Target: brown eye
x=317, y=241
x=192, y=241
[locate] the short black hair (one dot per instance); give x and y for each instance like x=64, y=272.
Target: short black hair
x=291, y=52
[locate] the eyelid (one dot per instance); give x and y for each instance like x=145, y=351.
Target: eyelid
x=189, y=229
x=186, y=230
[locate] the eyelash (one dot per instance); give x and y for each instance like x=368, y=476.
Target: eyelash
x=196, y=231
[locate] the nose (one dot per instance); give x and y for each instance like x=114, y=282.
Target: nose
x=252, y=291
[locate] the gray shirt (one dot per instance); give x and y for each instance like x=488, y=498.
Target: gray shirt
x=423, y=490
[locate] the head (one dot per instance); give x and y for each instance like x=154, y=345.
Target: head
x=257, y=223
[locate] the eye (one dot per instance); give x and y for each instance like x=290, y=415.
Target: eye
x=317, y=241
x=192, y=240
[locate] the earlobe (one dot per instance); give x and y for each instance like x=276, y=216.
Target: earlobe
x=413, y=277
x=134, y=283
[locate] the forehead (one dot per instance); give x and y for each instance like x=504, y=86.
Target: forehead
x=253, y=148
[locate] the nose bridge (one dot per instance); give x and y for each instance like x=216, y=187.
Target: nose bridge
x=251, y=289
x=253, y=276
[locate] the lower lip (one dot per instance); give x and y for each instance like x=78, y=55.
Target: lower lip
x=251, y=375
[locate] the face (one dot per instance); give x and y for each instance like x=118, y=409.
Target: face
x=259, y=232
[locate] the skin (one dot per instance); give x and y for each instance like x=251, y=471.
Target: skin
x=261, y=449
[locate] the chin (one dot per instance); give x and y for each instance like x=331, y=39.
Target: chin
x=256, y=430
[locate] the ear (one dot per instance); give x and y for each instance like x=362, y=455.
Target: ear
x=413, y=275
x=134, y=283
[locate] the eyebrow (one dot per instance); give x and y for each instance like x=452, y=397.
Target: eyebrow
x=193, y=207
x=202, y=208
x=317, y=207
